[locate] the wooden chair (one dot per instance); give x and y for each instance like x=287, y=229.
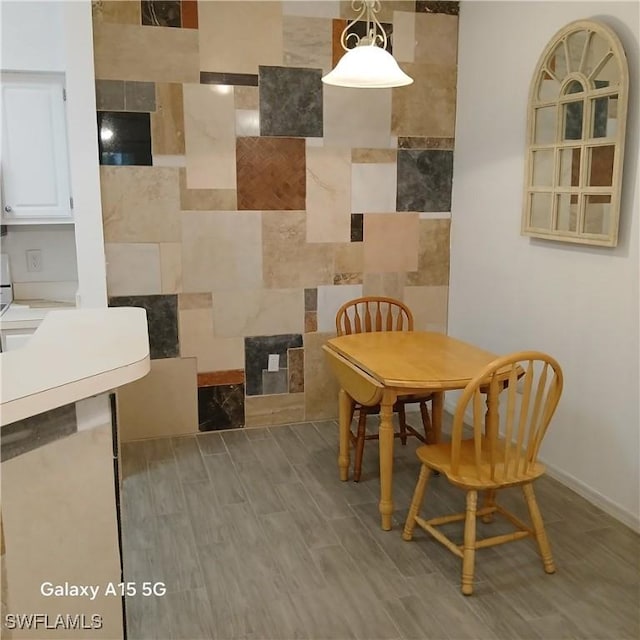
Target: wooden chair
x=365, y=315
x=487, y=462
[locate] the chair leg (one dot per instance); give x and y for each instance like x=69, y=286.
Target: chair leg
x=362, y=431
x=426, y=421
x=469, y=546
x=402, y=419
x=489, y=501
x=538, y=527
x=416, y=502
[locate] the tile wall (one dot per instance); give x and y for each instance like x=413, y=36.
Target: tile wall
x=244, y=201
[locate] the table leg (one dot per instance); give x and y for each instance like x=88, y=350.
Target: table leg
x=344, y=411
x=386, y=458
x=437, y=410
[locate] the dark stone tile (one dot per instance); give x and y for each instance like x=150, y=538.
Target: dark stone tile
x=295, y=359
x=274, y=382
x=310, y=299
x=310, y=321
x=239, y=79
x=161, y=13
x=124, y=138
x=290, y=102
x=424, y=180
x=110, y=95
x=256, y=353
x=140, y=96
x=357, y=228
x=34, y=432
x=162, y=321
x=221, y=407
x=441, y=6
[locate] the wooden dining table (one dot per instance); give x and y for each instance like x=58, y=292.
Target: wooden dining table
x=376, y=368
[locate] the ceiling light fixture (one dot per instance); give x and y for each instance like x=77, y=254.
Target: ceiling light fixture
x=367, y=65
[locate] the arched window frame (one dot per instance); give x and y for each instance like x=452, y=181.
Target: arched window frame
x=555, y=210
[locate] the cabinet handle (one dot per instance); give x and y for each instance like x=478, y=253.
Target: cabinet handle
x=8, y=209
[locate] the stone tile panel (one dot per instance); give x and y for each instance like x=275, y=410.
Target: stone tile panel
x=433, y=257
x=167, y=123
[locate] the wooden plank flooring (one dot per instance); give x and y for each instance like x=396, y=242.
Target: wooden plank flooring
x=255, y=537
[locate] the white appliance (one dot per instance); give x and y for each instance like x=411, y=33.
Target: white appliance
x=6, y=287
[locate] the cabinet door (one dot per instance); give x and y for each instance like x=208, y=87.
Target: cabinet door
x=35, y=165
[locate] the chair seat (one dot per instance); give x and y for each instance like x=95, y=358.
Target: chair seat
x=438, y=457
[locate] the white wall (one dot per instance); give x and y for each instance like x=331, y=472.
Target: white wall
x=509, y=292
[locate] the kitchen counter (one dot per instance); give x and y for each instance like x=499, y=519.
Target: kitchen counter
x=74, y=354
x=28, y=314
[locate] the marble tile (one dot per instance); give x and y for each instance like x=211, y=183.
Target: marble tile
x=347, y=123
x=223, y=354
x=450, y=7
x=284, y=408
x=310, y=321
x=257, y=352
x=167, y=122
x=231, y=79
x=325, y=9
x=211, y=244
x=163, y=403
x=404, y=36
x=307, y=42
x=373, y=188
x=349, y=258
x=197, y=339
x=436, y=36
x=242, y=312
x=321, y=386
x=357, y=227
x=421, y=142
x=271, y=173
x=247, y=122
x=139, y=96
x=124, y=138
x=295, y=366
x=215, y=378
x=424, y=180
x=389, y=284
x=428, y=305
x=246, y=97
x=133, y=269
x=330, y=299
x=221, y=407
x=274, y=382
x=391, y=242
x=433, y=257
x=225, y=29
x=109, y=95
x=169, y=161
x=189, y=14
x=116, y=11
x=209, y=132
x=311, y=299
x=130, y=52
x=161, y=13
x=206, y=199
x=290, y=102
x=328, y=194
x=195, y=301
x=171, y=267
x=363, y=156
x=347, y=278
x=434, y=85
x=288, y=261
x=162, y=321
x=140, y=204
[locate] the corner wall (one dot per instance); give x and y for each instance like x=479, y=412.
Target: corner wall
x=509, y=292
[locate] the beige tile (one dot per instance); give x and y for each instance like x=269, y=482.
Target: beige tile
x=373, y=187
x=162, y=403
x=288, y=261
x=133, y=269
x=140, y=204
x=428, y=305
x=325, y=9
x=171, y=266
x=211, y=246
x=433, y=85
x=328, y=194
x=391, y=242
x=259, y=312
x=195, y=301
x=237, y=37
x=390, y=285
x=364, y=156
x=321, y=387
x=348, y=123
x=118, y=11
x=330, y=299
x=349, y=257
x=167, y=122
x=210, y=142
x=130, y=52
x=246, y=97
x=433, y=257
x=404, y=36
x=284, y=408
x=436, y=37
x=206, y=199
x=347, y=278
x=307, y=42
x=247, y=122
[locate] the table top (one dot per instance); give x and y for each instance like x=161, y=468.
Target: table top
x=413, y=359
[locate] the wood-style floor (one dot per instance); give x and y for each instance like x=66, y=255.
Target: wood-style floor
x=255, y=537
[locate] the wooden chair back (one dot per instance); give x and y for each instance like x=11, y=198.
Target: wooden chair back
x=530, y=383
x=373, y=313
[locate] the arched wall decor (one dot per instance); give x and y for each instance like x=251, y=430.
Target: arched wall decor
x=575, y=137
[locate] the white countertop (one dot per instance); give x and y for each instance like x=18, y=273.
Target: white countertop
x=28, y=314
x=74, y=354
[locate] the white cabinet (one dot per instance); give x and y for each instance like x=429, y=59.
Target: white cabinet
x=35, y=163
